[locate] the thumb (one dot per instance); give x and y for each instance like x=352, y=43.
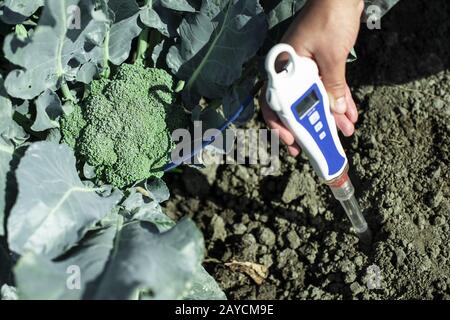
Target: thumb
x=333, y=77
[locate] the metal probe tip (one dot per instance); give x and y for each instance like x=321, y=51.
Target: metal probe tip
x=345, y=193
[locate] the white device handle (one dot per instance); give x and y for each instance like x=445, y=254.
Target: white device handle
x=273, y=55
x=301, y=102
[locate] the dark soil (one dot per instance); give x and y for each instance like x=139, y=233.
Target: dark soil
x=400, y=167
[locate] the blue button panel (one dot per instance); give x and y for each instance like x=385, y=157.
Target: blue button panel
x=315, y=122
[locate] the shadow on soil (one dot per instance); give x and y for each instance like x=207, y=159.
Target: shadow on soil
x=413, y=43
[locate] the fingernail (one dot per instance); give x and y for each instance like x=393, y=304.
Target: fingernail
x=340, y=106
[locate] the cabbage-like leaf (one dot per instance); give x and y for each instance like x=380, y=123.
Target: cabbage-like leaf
x=159, y=53
x=54, y=135
x=214, y=44
x=136, y=207
x=160, y=18
x=165, y=15
x=17, y=11
x=9, y=129
x=161, y=262
x=157, y=190
x=40, y=278
x=283, y=10
x=87, y=72
x=48, y=111
x=180, y=5
x=279, y=16
x=117, y=262
x=5, y=114
x=124, y=29
x=54, y=209
x=5, y=108
x=68, y=36
x=11, y=135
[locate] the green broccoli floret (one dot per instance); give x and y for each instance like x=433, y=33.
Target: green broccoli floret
x=71, y=126
x=122, y=127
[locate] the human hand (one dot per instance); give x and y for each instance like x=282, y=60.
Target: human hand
x=325, y=31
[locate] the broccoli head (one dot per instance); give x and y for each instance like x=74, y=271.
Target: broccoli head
x=122, y=127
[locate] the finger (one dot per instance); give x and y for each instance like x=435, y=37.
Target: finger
x=274, y=122
x=344, y=124
x=294, y=150
x=352, y=111
x=333, y=77
x=283, y=133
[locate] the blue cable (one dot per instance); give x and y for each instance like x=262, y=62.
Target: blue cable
x=222, y=128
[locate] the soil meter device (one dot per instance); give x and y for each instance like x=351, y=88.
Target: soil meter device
x=299, y=98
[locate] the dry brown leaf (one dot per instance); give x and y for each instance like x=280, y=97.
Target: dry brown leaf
x=143, y=192
x=256, y=271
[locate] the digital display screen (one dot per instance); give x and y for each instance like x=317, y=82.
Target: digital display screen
x=309, y=101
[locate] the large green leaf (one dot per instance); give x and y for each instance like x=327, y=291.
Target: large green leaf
x=157, y=190
x=40, y=278
x=11, y=135
x=124, y=28
x=160, y=18
x=215, y=43
x=57, y=49
x=283, y=10
x=161, y=262
x=279, y=16
x=9, y=129
x=166, y=15
x=54, y=209
x=180, y=5
x=117, y=263
x=6, y=111
x=138, y=207
x=48, y=111
x=5, y=108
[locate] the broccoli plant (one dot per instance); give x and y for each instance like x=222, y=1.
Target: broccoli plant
x=123, y=128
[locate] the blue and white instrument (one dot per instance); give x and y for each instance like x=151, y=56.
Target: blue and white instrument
x=299, y=98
